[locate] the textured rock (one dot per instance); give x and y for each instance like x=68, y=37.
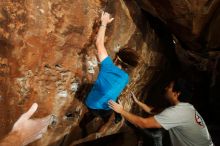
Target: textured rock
x=194, y=23
x=47, y=55
x=187, y=19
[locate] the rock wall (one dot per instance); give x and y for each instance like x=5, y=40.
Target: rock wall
x=47, y=55
x=194, y=24
x=186, y=19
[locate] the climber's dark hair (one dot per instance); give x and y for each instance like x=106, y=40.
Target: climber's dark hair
x=127, y=57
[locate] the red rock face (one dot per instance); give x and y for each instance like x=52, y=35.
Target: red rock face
x=47, y=55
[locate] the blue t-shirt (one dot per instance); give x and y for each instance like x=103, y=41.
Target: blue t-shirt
x=110, y=82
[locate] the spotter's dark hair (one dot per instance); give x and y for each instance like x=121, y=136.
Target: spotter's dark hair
x=180, y=85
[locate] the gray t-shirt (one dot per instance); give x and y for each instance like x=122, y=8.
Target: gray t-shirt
x=185, y=125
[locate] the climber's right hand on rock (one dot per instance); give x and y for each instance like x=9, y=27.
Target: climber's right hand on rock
x=106, y=18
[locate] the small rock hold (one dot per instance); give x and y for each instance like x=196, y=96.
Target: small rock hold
x=74, y=87
x=42, y=11
x=53, y=120
x=63, y=93
x=91, y=70
x=116, y=48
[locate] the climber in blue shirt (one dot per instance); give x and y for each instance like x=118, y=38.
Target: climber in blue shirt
x=108, y=86
x=112, y=77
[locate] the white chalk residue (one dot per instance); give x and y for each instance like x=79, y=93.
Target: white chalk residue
x=74, y=86
x=92, y=64
x=63, y=93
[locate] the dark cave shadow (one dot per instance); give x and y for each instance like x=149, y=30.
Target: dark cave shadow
x=83, y=91
x=6, y=47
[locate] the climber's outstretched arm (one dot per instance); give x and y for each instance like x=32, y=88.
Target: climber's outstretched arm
x=141, y=122
x=105, y=19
